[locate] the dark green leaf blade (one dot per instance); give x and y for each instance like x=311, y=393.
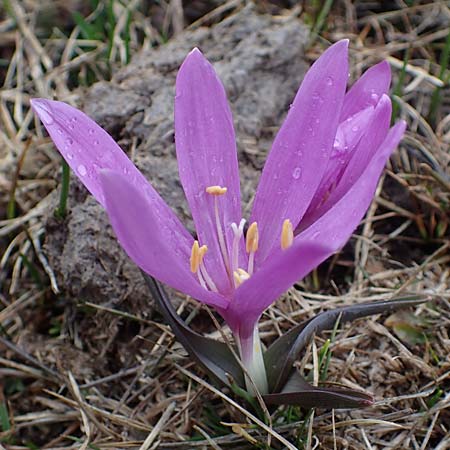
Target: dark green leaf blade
x=214, y=356
x=299, y=392
x=281, y=355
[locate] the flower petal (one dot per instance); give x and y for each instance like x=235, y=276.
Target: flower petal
x=88, y=149
x=348, y=136
x=206, y=153
x=281, y=270
x=315, y=244
x=367, y=90
x=301, y=149
x=149, y=238
x=336, y=225
x=366, y=149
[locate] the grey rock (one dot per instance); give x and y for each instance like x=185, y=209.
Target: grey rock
x=260, y=61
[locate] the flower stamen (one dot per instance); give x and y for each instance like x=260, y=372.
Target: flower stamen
x=238, y=232
x=197, y=254
x=198, y=267
x=251, y=245
x=217, y=191
x=287, y=235
x=202, y=273
x=240, y=275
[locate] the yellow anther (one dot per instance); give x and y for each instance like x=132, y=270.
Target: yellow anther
x=240, y=275
x=203, y=249
x=243, y=274
x=216, y=190
x=287, y=234
x=237, y=278
x=197, y=254
x=252, y=238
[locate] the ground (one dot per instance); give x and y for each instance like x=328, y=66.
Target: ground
x=85, y=360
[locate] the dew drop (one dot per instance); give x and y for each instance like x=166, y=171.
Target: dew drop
x=69, y=141
x=317, y=98
x=60, y=131
x=96, y=142
x=374, y=97
x=82, y=171
x=329, y=81
x=91, y=131
x=44, y=115
x=71, y=127
x=296, y=173
x=69, y=155
x=355, y=128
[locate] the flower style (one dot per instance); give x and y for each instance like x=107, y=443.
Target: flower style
x=317, y=184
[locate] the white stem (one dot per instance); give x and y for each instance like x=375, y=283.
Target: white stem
x=220, y=235
x=204, y=275
x=253, y=361
x=251, y=263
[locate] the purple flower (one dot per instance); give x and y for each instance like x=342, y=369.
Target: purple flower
x=317, y=183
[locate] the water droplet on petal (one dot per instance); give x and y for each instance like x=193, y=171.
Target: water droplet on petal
x=91, y=131
x=69, y=141
x=69, y=155
x=355, y=128
x=374, y=97
x=96, y=142
x=296, y=173
x=82, y=171
x=329, y=81
x=45, y=116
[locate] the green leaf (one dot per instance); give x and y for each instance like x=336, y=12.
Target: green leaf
x=214, y=356
x=298, y=391
x=88, y=30
x=281, y=355
x=407, y=327
x=64, y=195
x=4, y=418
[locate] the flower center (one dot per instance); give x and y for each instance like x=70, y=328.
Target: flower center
x=237, y=274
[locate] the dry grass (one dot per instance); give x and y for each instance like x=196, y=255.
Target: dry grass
x=54, y=396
